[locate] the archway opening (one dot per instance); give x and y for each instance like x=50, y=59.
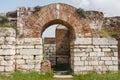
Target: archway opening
x=56, y=47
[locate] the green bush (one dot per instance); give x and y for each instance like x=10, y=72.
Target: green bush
x=36, y=9
x=81, y=13
x=3, y=20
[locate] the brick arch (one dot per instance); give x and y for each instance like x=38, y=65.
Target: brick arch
x=56, y=13
x=57, y=21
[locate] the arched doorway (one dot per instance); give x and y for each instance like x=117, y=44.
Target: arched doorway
x=56, y=47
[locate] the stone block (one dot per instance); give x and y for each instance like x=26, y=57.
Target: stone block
x=31, y=51
x=40, y=57
x=83, y=58
x=7, y=52
x=20, y=41
x=76, y=58
x=10, y=40
x=100, y=41
x=81, y=54
x=96, y=49
x=113, y=68
x=9, y=57
x=39, y=46
x=101, y=54
x=93, y=54
x=18, y=56
x=101, y=63
x=87, y=63
x=94, y=58
x=93, y=63
x=33, y=40
x=89, y=68
x=116, y=54
x=28, y=47
x=37, y=67
x=104, y=46
x=27, y=67
x=2, y=68
x=115, y=62
x=113, y=46
x=2, y=39
x=79, y=63
x=115, y=58
x=20, y=61
x=83, y=41
x=8, y=46
x=106, y=58
x=19, y=47
x=28, y=57
x=112, y=41
x=106, y=49
x=8, y=68
x=1, y=58
x=4, y=63
x=108, y=63
x=10, y=62
x=29, y=62
x=7, y=32
x=88, y=50
x=77, y=50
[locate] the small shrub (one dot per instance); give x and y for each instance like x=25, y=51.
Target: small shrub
x=81, y=13
x=3, y=20
x=36, y=9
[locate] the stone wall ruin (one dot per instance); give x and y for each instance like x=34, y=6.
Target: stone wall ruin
x=23, y=50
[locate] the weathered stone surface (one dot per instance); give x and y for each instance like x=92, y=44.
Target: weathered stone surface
x=100, y=41
x=2, y=40
x=9, y=68
x=8, y=46
x=2, y=68
x=83, y=41
x=7, y=32
x=112, y=41
x=106, y=49
x=46, y=66
x=29, y=57
x=108, y=63
x=7, y=52
x=106, y=58
x=4, y=63
x=10, y=40
x=20, y=61
x=31, y=52
x=29, y=41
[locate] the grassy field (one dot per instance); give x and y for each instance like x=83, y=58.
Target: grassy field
x=36, y=76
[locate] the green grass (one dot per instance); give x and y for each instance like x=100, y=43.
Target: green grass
x=109, y=34
x=95, y=76
x=18, y=75
x=7, y=26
